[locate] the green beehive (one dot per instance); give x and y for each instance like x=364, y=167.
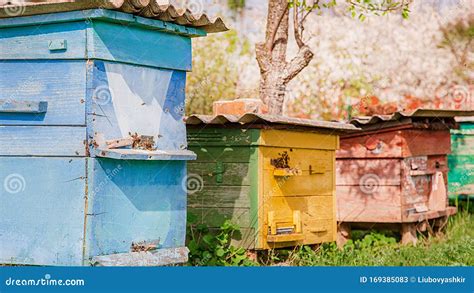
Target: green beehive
x=461, y=161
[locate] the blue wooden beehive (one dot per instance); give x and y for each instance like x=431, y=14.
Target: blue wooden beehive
x=93, y=146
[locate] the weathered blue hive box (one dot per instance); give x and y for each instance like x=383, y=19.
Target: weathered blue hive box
x=92, y=140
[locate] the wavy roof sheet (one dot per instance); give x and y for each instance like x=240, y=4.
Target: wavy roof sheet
x=414, y=115
x=270, y=120
x=165, y=10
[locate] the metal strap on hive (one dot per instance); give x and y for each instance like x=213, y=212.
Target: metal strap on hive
x=165, y=10
x=259, y=119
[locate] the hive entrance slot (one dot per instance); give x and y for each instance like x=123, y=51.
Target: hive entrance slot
x=284, y=231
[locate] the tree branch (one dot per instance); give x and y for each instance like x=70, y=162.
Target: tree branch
x=296, y=27
x=302, y=59
x=380, y=9
x=263, y=58
x=271, y=40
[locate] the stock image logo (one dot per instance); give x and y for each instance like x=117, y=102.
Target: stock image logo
x=195, y=6
x=193, y=183
x=14, y=7
x=460, y=95
x=369, y=183
x=102, y=95
x=14, y=183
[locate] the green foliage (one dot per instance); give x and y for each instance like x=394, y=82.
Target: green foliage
x=213, y=248
x=456, y=248
x=357, y=8
x=236, y=4
x=215, y=71
x=457, y=38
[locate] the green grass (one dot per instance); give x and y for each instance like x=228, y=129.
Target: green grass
x=369, y=248
x=454, y=248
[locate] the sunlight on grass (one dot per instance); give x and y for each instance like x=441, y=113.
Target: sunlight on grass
x=454, y=248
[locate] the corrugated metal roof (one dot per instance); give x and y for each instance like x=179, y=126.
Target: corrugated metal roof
x=165, y=10
x=465, y=119
x=259, y=119
x=417, y=114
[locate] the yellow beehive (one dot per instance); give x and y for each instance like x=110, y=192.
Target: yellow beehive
x=275, y=177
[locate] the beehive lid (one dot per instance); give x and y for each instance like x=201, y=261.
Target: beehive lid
x=252, y=120
x=397, y=118
x=465, y=119
x=165, y=10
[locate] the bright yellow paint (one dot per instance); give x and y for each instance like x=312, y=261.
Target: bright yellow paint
x=298, y=139
x=301, y=198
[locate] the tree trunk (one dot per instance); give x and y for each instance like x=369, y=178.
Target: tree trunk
x=271, y=56
x=275, y=71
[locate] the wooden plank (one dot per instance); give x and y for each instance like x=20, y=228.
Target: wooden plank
x=461, y=174
x=420, y=217
x=426, y=142
x=314, y=232
x=311, y=207
x=463, y=144
x=23, y=43
x=466, y=126
x=211, y=136
x=42, y=141
x=143, y=155
x=160, y=257
x=221, y=174
x=42, y=210
x=105, y=41
x=317, y=217
x=156, y=97
x=376, y=145
x=298, y=139
x=27, y=107
x=417, y=178
x=219, y=197
x=296, y=237
x=139, y=46
x=135, y=201
x=213, y=154
x=352, y=172
x=315, y=166
x=61, y=84
x=125, y=19
x=383, y=205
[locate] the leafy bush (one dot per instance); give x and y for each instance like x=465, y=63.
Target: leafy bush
x=454, y=248
x=236, y=4
x=213, y=248
x=216, y=65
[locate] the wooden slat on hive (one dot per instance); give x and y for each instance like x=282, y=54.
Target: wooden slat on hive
x=381, y=206
x=61, y=84
x=134, y=201
x=352, y=172
x=52, y=141
x=42, y=210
